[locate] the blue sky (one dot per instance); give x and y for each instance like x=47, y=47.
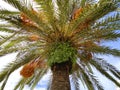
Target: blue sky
x=42, y=84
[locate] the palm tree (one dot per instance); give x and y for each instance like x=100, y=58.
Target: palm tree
x=60, y=36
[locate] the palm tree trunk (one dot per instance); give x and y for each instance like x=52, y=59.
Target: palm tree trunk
x=60, y=79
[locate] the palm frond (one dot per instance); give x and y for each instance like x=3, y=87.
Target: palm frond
x=5, y=80
x=75, y=81
x=86, y=77
x=14, y=20
x=28, y=11
x=8, y=38
x=20, y=26
x=7, y=12
x=32, y=81
x=106, y=35
x=93, y=13
x=19, y=48
x=2, y=25
x=105, y=50
x=17, y=4
x=15, y=41
x=22, y=84
x=82, y=3
x=93, y=79
x=111, y=36
x=21, y=60
x=110, y=19
x=96, y=82
x=21, y=81
x=49, y=83
x=104, y=72
x=7, y=30
x=49, y=13
x=38, y=77
x=108, y=66
x=63, y=11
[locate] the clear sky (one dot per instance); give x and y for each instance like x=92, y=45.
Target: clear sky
x=14, y=78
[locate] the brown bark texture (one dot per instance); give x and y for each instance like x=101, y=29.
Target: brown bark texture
x=60, y=79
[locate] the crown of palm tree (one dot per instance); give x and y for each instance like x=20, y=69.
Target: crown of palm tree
x=57, y=31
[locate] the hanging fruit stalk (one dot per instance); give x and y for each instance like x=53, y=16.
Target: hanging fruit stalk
x=34, y=37
x=26, y=20
x=84, y=24
x=29, y=69
x=77, y=13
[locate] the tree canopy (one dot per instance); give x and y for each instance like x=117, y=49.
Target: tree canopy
x=46, y=32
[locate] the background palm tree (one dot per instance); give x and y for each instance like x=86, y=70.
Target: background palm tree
x=63, y=36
